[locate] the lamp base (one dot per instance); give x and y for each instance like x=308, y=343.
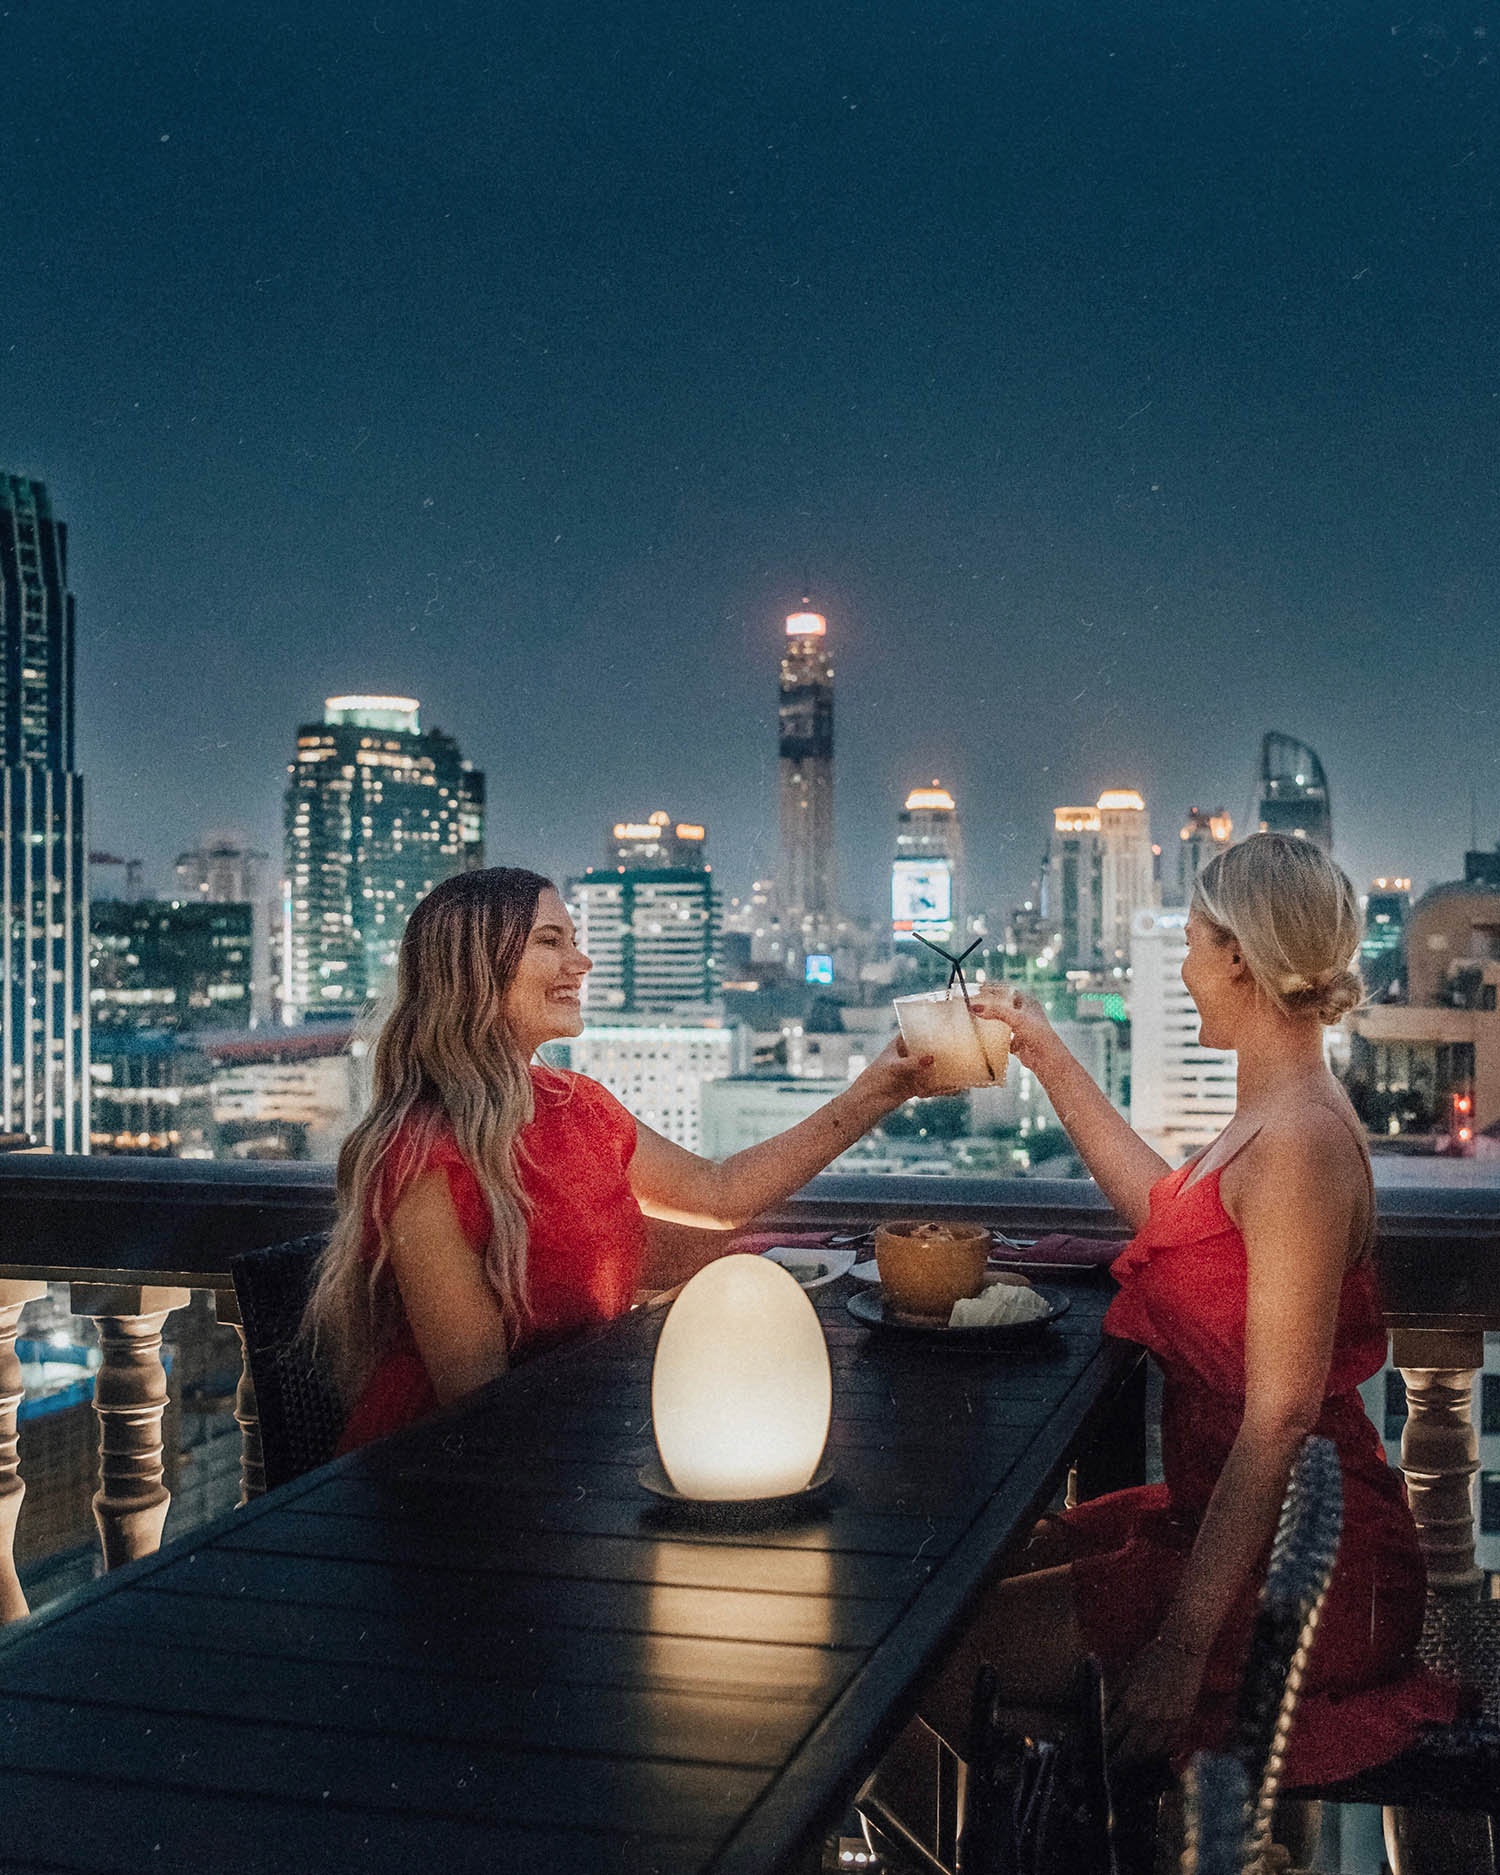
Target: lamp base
x=732, y=1510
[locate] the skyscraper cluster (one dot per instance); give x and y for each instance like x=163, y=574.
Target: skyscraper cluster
x=379, y=809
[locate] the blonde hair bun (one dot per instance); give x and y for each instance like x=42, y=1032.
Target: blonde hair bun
x=1294, y=918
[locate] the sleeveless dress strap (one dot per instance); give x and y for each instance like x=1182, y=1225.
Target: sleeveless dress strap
x=1197, y=1177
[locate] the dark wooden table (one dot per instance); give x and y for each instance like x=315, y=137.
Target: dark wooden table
x=482, y=1646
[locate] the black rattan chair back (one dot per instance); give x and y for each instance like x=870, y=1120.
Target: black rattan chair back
x=301, y=1415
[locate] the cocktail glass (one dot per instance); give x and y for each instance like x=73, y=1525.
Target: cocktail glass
x=967, y=1050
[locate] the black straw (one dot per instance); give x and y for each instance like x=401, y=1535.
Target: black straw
x=957, y=963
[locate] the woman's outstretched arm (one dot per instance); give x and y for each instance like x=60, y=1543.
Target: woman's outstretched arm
x=1121, y=1163
x=671, y=1182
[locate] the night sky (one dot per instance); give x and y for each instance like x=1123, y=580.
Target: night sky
x=1126, y=376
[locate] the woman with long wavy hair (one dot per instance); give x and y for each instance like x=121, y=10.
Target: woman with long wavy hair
x=489, y=1206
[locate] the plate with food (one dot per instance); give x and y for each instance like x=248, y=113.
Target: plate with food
x=1007, y=1309
x=813, y=1265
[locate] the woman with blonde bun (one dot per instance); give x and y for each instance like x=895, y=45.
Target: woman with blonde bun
x=1250, y=1281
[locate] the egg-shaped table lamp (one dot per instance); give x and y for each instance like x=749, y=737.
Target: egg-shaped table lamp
x=741, y=1392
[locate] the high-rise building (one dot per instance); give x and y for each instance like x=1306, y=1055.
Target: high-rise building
x=1128, y=873
x=649, y=919
x=378, y=811
x=163, y=964
x=224, y=869
x=805, y=723
x=652, y=933
x=44, y=941
x=1201, y=837
x=1099, y=873
x=1382, y=949
x=1072, y=887
x=1181, y=1094
x=1294, y=791
x=1387, y=908
x=927, y=872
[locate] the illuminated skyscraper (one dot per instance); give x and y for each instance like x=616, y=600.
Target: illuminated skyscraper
x=1072, y=886
x=649, y=920
x=806, y=736
x=377, y=813
x=1127, y=877
x=44, y=942
x=1294, y=791
x=1098, y=875
x=1201, y=837
x=927, y=872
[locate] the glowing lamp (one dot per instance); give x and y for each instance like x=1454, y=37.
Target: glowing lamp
x=741, y=1391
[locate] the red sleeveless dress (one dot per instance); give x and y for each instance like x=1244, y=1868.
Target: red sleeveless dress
x=1182, y=1296
x=585, y=1243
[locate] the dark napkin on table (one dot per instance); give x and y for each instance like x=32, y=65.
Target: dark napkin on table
x=1059, y=1248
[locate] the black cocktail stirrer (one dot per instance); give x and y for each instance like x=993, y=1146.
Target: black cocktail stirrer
x=958, y=972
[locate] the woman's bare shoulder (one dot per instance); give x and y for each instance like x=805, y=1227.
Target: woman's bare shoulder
x=1301, y=1143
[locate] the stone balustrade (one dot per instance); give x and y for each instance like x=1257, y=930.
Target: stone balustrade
x=134, y=1237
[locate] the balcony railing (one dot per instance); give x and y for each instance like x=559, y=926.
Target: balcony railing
x=134, y=1237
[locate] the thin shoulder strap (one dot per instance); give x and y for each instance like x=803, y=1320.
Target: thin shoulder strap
x=1197, y=1176
x=1249, y=1139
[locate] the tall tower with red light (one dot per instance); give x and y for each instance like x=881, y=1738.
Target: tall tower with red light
x=805, y=726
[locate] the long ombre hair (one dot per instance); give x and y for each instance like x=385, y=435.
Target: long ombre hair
x=445, y=1061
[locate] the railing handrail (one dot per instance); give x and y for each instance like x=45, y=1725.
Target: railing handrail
x=179, y=1221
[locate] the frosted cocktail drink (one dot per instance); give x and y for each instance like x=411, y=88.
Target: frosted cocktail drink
x=967, y=1050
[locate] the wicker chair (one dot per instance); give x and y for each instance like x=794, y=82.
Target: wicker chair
x=301, y=1415
x=1229, y=1835
x=1450, y=1768
x=1302, y=1558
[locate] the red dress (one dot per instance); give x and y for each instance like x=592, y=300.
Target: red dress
x=585, y=1244
x=1182, y=1296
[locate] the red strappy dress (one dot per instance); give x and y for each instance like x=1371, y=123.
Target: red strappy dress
x=585, y=1243
x=1182, y=1296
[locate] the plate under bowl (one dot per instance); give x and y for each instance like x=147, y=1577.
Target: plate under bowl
x=869, y=1308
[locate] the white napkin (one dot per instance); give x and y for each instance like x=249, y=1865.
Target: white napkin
x=1000, y=1306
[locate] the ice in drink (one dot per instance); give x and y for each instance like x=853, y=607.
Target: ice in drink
x=967, y=1051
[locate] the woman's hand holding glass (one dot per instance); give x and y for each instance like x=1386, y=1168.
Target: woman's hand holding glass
x=896, y=1076
x=1031, y=1033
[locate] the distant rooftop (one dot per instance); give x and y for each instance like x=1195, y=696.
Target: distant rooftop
x=361, y=712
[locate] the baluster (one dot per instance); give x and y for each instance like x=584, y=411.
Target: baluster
x=246, y=1407
x=1439, y=1450
x=13, y=1298
x=130, y=1394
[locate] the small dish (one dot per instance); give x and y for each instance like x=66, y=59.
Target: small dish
x=869, y=1309
x=826, y=1264
x=654, y=1477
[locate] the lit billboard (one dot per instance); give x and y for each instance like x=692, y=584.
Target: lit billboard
x=819, y=967
x=922, y=898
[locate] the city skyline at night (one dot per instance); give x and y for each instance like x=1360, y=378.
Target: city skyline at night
x=1121, y=383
